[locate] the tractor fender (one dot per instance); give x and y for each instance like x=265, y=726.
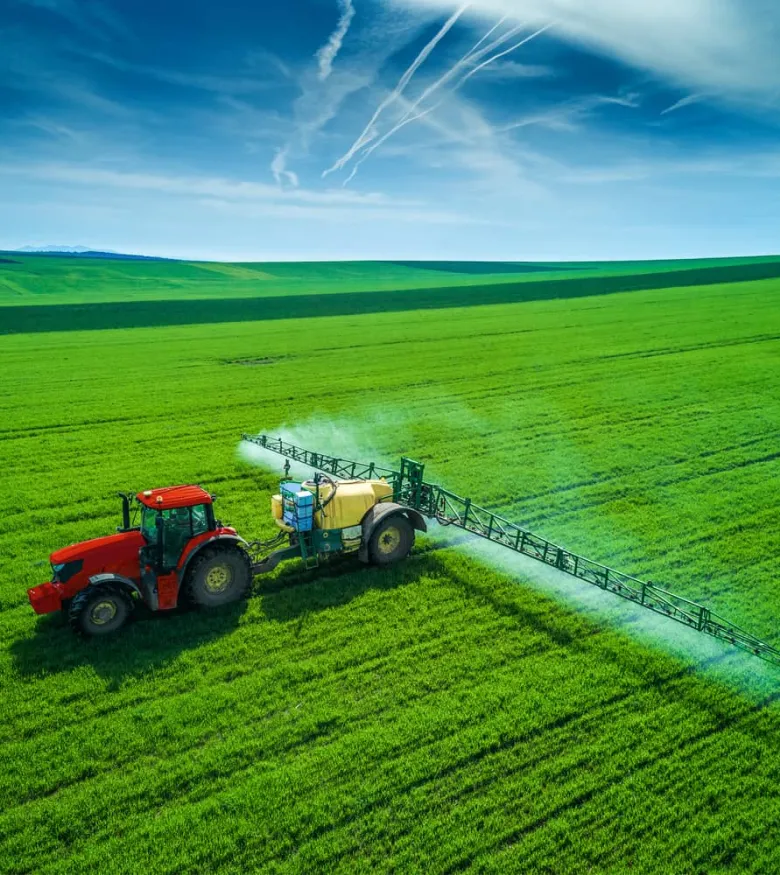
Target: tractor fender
x=125, y=583
x=377, y=513
x=198, y=549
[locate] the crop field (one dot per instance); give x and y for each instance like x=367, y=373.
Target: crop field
x=461, y=711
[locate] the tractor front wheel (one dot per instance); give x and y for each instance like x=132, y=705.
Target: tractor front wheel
x=219, y=576
x=99, y=610
x=391, y=540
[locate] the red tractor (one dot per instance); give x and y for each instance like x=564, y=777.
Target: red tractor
x=178, y=550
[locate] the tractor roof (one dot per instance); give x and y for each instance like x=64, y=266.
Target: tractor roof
x=174, y=496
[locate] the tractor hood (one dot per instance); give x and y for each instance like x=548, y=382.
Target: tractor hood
x=125, y=543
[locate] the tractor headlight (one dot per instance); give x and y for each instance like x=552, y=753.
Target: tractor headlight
x=64, y=571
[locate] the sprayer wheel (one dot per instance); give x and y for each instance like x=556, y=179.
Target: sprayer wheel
x=391, y=540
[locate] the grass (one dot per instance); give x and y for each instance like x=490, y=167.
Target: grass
x=445, y=714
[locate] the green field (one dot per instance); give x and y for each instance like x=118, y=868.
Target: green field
x=462, y=711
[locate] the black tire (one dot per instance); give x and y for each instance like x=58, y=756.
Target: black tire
x=99, y=610
x=391, y=540
x=218, y=576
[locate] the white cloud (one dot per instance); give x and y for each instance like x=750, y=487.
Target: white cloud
x=346, y=215
x=223, y=85
x=567, y=116
x=278, y=168
x=728, y=47
x=322, y=100
x=491, y=167
x=327, y=54
x=515, y=70
x=205, y=187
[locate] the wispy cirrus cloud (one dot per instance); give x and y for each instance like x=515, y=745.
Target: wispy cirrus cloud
x=728, y=47
x=218, y=188
x=246, y=198
x=237, y=84
x=95, y=18
x=506, y=70
x=322, y=98
x=279, y=169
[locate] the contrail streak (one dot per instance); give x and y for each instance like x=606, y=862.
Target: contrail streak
x=469, y=57
x=501, y=54
x=402, y=123
x=447, y=76
x=492, y=30
x=327, y=54
x=399, y=88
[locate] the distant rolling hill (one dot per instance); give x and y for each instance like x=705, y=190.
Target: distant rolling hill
x=81, y=252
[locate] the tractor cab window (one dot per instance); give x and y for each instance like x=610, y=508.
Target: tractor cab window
x=177, y=528
x=149, y=525
x=179, y=525
x=200, y=519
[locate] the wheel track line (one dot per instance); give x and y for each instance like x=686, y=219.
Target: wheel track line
x=176, y=752
x=592, y=793
x=391, y=653
x=506, y=745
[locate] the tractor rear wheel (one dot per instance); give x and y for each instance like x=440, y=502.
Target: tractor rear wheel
x=219, y=576
x=99, y=610
x=391, y=540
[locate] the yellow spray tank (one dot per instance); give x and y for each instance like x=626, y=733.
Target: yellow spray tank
x=349, y=504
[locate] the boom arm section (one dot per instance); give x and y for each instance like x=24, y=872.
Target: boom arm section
x=435, y=502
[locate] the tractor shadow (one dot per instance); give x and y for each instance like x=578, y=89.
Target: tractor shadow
x=295, y=593
x=150, y=641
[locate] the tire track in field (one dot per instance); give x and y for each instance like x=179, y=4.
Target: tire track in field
x=436, y=616
x=694, y=347
x=600, y=480
x=221, y=778
x=676, y=750
x=229, y=782
x=367, y=667
x=596, y=713
x=590, y=505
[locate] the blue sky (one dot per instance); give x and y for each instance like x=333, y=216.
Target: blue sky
x=316, y=129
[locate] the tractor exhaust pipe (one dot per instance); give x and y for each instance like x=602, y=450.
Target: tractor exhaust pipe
x=125, y=512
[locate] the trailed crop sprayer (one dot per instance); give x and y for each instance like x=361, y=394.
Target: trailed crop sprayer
x=180, y=552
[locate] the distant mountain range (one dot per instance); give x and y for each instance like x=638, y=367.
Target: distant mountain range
x=83, y=252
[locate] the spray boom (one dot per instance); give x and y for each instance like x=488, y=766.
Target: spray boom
x=410, y=490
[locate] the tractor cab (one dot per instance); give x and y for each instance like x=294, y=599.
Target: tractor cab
x=170, y=518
